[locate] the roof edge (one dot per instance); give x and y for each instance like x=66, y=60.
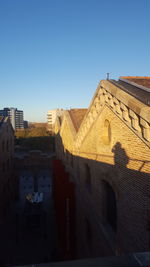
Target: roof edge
x=135, y=84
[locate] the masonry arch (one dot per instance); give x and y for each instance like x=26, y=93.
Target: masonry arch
x=109, y=205
x=106, y=135
x=88, y=181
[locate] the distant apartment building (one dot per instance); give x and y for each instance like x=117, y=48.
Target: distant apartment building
x=51, y=118
x=15, y=116
x=6, y=164
x=26, y=124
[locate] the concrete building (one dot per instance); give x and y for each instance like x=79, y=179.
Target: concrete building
x=106, y=151
x=26, y=124
x=6, y=164
x=51, y=118
x=15, y=115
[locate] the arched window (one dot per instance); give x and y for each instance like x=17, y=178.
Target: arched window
x=88, y=177
x=110, y=208
x=71, y=160
x=88, y=229
x=3, y=167
x=3, y=146
x=106, y=133
x=7, y=164
x=7, y=145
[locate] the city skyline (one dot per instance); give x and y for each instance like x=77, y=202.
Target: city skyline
x=54, y=53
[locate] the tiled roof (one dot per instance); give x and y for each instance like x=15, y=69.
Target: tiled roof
x=144, y=81
x=77, y=116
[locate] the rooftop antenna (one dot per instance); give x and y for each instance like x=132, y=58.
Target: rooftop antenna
x=107, y=78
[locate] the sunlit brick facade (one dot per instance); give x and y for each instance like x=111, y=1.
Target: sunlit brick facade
x=108, y=160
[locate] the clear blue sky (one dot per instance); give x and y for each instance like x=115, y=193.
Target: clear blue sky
x=53, y=53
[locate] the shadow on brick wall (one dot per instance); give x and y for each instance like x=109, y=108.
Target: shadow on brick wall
x=117, y=197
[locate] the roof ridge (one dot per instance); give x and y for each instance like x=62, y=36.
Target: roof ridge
x=135, y=77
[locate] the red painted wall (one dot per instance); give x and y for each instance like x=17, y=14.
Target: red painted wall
x=64, y=199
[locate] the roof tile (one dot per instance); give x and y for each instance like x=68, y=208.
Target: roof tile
x=139, y=80
x=77, y=116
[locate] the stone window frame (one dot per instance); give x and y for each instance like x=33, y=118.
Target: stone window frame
x=88, y=178
x=106, y=132
x=3, y=146
x=107, y=187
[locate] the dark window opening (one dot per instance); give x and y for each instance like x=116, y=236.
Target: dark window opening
x=7, y=145
x=88, y=177
x=89, y=235
x=110, y=207
x=71, y=160
x=3, y=167
x=8, y=164
x=3, y=146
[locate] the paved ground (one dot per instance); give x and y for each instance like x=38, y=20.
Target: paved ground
x=29, y=236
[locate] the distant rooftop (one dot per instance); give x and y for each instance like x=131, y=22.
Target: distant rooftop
x=2, y=119
x=137, y=86
x=139, y=80
x=77, y=116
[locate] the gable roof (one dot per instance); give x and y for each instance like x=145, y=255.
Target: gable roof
x=1, y=120
x=77, y=116
x=138, y=87
x=139, y=80
x=5, y=120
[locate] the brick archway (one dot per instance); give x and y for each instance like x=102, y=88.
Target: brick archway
x=110, y=205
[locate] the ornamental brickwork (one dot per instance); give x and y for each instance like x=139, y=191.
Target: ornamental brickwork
x=108, y=159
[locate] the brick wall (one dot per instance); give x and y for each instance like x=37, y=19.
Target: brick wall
x=116, y=156
x=6, y=166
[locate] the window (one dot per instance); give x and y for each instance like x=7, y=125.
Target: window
x=7, y=145
x=89, y=235
x=3, y=146
x=88, y=177
x=110, y=209
x=8, y=164
x=71, y=160
x=67, y=155
x=3, y=167
x=106, y=136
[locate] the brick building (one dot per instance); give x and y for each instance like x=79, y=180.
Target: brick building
x=106, y=150
x=6, y=164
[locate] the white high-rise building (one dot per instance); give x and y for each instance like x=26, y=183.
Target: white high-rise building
x=15, y=116
x=51, y=117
